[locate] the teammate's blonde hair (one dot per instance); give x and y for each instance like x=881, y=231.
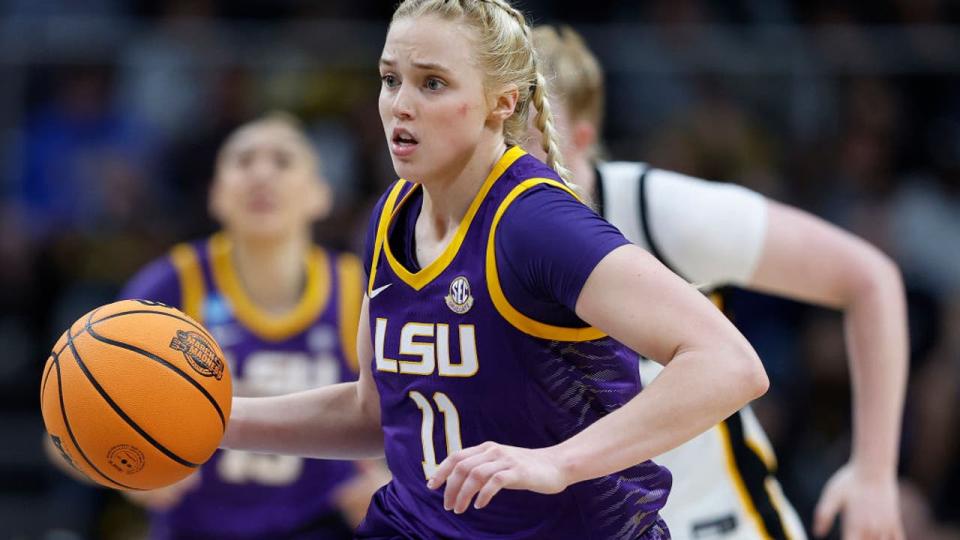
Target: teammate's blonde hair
x=576, y=77
x=505, y=50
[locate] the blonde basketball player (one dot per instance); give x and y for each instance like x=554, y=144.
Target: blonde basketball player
x=494, y=373
x=716, y=234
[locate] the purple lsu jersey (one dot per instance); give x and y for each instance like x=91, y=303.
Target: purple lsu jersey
x=456, y=364
x=246, y=495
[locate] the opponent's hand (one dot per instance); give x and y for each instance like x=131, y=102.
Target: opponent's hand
x=871, y=509
x=166, y=497
x=486, y=469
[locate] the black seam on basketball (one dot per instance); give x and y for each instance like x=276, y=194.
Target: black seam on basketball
x=164, y=313
x=116, y=408
x=46, y=377
x=164, y=363
x=73, y=439
x=91, y=322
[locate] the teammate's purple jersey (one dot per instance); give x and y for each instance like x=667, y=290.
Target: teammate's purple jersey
x=244, y=495
x=457, y=364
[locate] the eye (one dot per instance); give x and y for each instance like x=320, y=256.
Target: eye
x=434, y=84
x=390, y=80
x=283, y=160
x=243, y=160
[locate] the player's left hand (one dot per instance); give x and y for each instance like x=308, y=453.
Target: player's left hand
x=870, y=507
x=486, y=469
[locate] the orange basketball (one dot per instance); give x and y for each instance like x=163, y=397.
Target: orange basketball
x=136, y=395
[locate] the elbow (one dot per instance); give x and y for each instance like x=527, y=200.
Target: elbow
x=752, y=380
x=878, y=275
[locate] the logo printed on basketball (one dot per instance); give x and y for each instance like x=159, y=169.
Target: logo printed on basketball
x=199, y=354
x=126, y=459
x=459, y=299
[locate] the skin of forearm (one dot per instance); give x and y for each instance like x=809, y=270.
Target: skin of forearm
x=328, y=423
x=874, y=322
x=658, y=419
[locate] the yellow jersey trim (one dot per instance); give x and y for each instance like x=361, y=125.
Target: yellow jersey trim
x=350, y=273
x=186, y=263
x=383, y=227
x=737, y=480
x=269, y=327
x=765, y=454
x=507, y=311
x=779, y=502
x=419, y=280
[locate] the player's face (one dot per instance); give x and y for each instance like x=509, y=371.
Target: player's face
x=267, y=185
x=433, y=104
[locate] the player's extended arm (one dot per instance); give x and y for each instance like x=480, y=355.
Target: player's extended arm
x=340, y=421
x=711, y=372
x=807, y=259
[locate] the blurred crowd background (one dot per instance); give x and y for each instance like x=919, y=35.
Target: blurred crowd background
x=111, y=112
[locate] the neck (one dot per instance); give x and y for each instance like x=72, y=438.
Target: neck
x=272, y=272
x=445, y=201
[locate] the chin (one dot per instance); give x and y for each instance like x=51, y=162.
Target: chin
x=407, y=170
x=263, y=229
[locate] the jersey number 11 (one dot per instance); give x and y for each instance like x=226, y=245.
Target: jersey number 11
x=451, y=428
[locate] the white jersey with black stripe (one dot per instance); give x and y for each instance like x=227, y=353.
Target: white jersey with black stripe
x=712, y=234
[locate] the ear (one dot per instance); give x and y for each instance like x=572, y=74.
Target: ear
x=505, y=103
x=584, y=136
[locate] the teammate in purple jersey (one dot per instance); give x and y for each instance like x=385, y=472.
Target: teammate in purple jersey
x=285, y=313
x=491, y=364
x=717, y=234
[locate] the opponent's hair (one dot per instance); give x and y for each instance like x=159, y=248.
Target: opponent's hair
x=277, y=117
x=505, y=51
x=576, y=75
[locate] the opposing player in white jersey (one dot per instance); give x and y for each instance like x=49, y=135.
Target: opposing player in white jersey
x=720, y=234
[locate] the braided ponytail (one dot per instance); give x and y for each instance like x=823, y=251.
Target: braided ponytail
x=544, y=122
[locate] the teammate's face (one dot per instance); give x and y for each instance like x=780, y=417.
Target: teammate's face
x=433, y=103
x=267, y=184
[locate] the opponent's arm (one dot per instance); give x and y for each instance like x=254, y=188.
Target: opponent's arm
x=340, y=421
x=711, y=372
x=719, y=233
x=807, y=259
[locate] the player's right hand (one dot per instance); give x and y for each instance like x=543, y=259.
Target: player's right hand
x=164, y=498
x=870, y=507
x=487, y=469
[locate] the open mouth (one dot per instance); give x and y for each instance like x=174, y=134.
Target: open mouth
x=402, y=137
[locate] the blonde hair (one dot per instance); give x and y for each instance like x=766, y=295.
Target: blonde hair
x=506, y=53
x=576, y=75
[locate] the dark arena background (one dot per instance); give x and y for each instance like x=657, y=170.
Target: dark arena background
x=111, y=113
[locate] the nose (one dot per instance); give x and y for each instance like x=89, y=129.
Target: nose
x=403, y=103
x=262, y=169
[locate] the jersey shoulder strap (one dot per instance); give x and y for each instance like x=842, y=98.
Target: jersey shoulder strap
x=619, y=185
x=625, y=202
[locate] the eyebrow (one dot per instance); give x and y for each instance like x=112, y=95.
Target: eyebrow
x=427, y=66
